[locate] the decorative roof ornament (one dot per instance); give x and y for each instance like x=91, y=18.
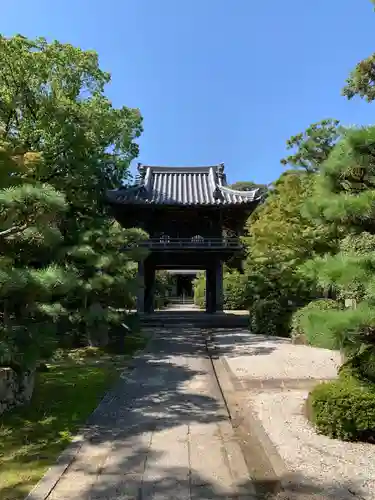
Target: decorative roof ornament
x=141, y=172
x=217, y=194
x=220, y=170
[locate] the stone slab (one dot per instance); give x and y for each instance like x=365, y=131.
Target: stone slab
x=162, y=433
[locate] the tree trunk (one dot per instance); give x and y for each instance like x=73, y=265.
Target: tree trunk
x=343, y=356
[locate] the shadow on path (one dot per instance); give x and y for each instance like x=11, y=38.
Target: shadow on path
x=141, y=436
x=153, y=396
x=176, y=483
x=238, y=342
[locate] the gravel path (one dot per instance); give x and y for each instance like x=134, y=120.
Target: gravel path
x=341, y=470
x=274, y=378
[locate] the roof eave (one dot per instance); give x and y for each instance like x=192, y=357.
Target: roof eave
x=203, y=205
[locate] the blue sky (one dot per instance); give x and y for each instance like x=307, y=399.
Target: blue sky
x=216, y=80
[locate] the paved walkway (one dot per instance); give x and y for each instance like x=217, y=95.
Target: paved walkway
x=162, y=434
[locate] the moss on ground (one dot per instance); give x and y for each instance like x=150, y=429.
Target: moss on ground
x=32, y=437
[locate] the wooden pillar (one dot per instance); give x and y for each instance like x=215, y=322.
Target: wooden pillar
x=141, y=288
x=210, y=290
x=219, y=286
x=149, y=287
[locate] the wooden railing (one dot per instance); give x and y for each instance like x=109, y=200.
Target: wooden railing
x=193, y=243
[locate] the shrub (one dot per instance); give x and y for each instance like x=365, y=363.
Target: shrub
x=163, y=284
x=269, y=317
x=120, y=333
x=199, y=285
x=274, y=290
x=307, y=323
x=235, y=291
x=343, y=409
x=362, y=364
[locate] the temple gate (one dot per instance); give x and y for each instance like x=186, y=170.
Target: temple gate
x=194, y=221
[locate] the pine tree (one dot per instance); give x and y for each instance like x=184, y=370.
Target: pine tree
x=344, y=195
x=30, y=292
x=104, y=261
x=62, y=145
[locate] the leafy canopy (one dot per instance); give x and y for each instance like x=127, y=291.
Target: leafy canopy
x=344, y=195
x=62, y=144
x=53, y=103
x=313, y=146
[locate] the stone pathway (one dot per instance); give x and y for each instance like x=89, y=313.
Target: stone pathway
x=162, y=434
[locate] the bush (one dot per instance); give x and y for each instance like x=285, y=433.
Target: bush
x=307, y=324
x=199, y=286
x=269, y=317
x=275, y=290
x=362, y=364
x=343, y=409
x=234, y=290
x=119, y=334
x=163, y=284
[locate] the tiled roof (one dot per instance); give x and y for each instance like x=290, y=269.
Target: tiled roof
x=182, y=186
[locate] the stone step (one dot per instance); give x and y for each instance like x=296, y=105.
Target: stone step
x=200, y=320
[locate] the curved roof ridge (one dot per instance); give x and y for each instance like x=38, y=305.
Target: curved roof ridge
x=182, y=168
x=205, y=186
x=237, y=191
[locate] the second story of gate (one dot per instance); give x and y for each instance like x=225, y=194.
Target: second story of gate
x=184, y=207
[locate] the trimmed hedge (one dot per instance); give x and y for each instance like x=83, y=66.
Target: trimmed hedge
x=343, y=409
x=269, y=317
x=235, y=291
x=307, y=323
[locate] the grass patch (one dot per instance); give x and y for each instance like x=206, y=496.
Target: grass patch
x=32, y=437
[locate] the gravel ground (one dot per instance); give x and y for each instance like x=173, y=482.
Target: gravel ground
x=342, y=470
x=320, y=467
x=261, y=357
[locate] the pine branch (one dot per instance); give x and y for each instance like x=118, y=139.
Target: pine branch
x=13, y=230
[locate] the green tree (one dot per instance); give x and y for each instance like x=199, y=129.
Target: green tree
x=106, y=280
x=344, y=194
x=29, y=295
x=281, y=237
x=246, y=186
x=313, y=146
x=361, y=81
x=53, y=103
x=279, y=240
x=234, y=290
x=278, y=230
x=62, y=145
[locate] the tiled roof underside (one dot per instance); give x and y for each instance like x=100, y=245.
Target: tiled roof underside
x=184, y=188
x=196, y=186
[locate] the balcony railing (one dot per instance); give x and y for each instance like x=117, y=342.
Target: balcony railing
x=191, y=243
